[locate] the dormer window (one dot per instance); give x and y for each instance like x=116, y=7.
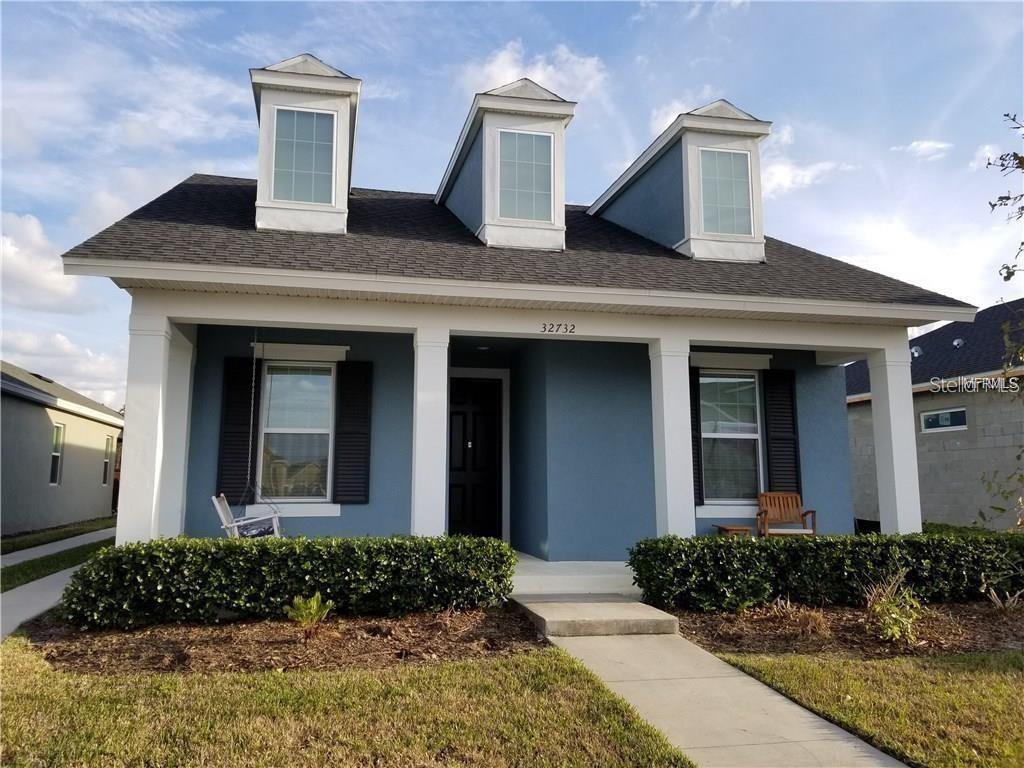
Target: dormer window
x=304, y=156
x=525, y=176
x=725, y=192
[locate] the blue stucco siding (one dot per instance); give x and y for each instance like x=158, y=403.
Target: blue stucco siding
x=388, y=511
x=652, y=205
x=528, y=507
x=466, y=198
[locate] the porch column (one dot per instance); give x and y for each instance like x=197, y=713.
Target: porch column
x=892, y=414
x=673, y=448
x=430, y=433
x=170, y=500
x=149, y=340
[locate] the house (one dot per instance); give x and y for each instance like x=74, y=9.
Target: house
x=488, y=359
x=968, y=418
x=60, y=452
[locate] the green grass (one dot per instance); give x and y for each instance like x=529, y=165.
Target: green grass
x=18, y=541
x=532, y=709
x=940, y=712
x=12, y=576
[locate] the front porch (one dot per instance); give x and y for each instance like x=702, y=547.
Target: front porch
x=569, y=440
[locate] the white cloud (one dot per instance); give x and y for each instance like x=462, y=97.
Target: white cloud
x=568, y=74
x=662, y=117
x=158, y=22
x=982, y=155
x=925, y=149
x=781, y=174
x=32, y=275
x=98, y=375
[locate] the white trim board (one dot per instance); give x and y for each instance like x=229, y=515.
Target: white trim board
x=319, y=353
x=737, y=361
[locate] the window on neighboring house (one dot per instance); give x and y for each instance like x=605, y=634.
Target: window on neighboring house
x=108, y=455
x=944, y=421
x=725, y=192
x=730, y=436
x=57, y=454
x=296, y=431
x=525, y=176
x=304, y=156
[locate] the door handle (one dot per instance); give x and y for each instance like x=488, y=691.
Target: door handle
x=469, y=444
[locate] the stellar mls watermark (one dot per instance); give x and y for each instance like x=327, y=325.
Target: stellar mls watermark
x=1002, y=384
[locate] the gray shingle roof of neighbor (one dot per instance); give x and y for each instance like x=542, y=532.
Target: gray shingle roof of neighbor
x=13, y=374
x=209, y=220
x=983, y=348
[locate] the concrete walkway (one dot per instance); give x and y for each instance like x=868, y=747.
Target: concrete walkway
x=716, y=715
x=23, y=603
x=56, y=546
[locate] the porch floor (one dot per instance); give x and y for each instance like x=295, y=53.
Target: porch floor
x=534, y=576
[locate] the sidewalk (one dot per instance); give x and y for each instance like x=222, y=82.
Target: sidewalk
x=716, y=715
x=56, y=546
x=22, y=603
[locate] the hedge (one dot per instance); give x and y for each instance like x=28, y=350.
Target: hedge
x=208, y=580
x=732, y=572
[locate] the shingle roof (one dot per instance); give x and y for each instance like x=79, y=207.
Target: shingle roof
x=11, y=374
x=983, y=349
x=210, y=220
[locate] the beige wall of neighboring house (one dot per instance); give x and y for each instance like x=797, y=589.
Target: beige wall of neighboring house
x=29, y=501
x=950, y=463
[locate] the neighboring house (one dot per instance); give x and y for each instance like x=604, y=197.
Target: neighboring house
x=59, y=453
x=488, y=359
x=964, y=429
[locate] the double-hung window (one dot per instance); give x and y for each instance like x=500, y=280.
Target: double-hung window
x=725, y=191
x=304, y=156
x=524, y=177
x=730, y=436
x=57, y=454
x=296, y=431
x=108, y=456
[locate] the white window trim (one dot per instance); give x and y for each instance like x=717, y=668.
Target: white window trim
x=738, y=504
x=700, y=192
x=59, y=453
x=108, y=455
x=926, y=431
x=264, y=407
x=334, y=156
x=307, y=353
x=497, y=181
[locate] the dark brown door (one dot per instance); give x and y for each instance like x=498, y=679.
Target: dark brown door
x=474, y=457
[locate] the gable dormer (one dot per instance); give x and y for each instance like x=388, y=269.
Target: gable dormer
x=506, y=178
x=697, y=188
x=307, y=115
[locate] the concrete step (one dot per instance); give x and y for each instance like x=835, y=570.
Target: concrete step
x=589, y=615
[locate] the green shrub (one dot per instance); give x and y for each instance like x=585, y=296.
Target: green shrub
x=206, y=580
x=733, y=572
x=893, y=609
x=309, y=613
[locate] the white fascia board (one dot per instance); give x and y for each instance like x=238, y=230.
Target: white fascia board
x=50, y=401
x=906, y=315
x=483, y=102
x=865, y=397
x=302, y=82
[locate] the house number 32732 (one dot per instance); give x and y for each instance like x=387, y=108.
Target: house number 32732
x=558, y=327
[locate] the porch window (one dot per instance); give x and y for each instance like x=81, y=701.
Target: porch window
x=730, y=436
x=296, y=431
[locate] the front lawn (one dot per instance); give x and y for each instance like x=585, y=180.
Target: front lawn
x=19, y=541
x=955, y=710
x=532, y=708
x=12, y=576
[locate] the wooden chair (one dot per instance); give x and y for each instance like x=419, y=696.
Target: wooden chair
x=783, y=508
x=245, y=527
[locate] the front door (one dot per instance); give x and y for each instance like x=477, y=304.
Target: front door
x=474, y=457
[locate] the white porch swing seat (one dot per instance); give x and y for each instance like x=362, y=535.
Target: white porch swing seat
x=245, y=527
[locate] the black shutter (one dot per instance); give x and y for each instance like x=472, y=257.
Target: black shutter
x=352, y=433
x=238, y=400
x=781, y=431
x=695, y=432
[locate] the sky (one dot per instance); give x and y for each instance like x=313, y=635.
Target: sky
x=884, y=115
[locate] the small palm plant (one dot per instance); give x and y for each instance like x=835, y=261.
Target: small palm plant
x=894, y=609
x=309, y=613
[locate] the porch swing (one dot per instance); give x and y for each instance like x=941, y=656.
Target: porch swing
x=254, y=526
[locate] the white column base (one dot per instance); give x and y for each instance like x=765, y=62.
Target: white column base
x=892, y=414
x=430, y=433
x=675, y=511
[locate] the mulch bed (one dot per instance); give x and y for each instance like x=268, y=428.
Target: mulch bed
x=942, y=629
x=341, y=643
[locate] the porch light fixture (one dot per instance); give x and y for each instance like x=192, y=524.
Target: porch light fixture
x=916, y=351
